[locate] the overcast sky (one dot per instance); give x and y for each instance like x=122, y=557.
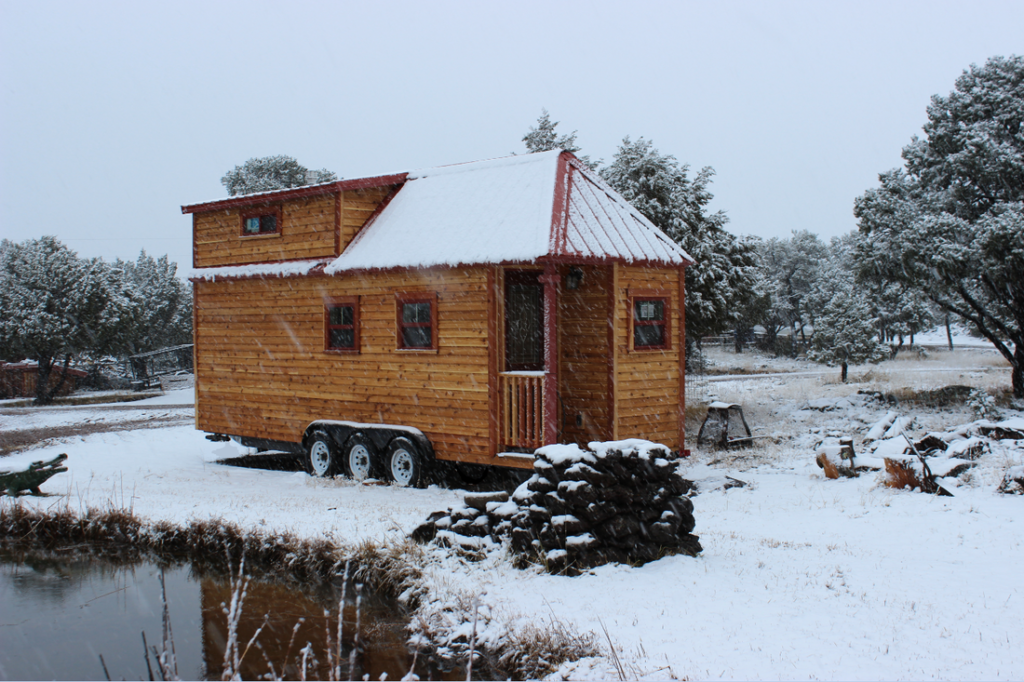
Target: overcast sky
x=113, y=115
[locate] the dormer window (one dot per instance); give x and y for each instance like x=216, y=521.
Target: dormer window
x=262, y=221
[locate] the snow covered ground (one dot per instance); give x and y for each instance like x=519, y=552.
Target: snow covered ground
x=801, y=577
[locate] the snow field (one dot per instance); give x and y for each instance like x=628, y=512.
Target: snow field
x=171, y=474
x=801, y=577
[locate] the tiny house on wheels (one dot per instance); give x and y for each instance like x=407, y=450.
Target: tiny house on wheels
x=469, y=313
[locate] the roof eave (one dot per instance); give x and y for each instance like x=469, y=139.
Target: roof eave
x=296, y=193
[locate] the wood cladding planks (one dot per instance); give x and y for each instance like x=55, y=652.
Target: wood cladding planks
x=262, y=369
x=583, y=358
x=647, y=382
x=311, y=227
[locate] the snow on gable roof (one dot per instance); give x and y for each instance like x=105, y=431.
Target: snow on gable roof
x=482, y=212
x=512, y=209
x=599, y=223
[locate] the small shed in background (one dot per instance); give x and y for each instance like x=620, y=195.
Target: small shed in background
x=18, y=379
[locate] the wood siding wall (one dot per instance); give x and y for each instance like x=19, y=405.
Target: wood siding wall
x=647, y=383
x=583, y=357
x=356, y=208
x=261, y=369
x=313, y=227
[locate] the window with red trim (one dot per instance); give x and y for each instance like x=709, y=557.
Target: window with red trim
x=417, y=321
x=341, y=324
x=650, y=323
x=261, y=221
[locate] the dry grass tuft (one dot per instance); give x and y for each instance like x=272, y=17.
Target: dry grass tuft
x=391, y=569
x=533, y=652
x=903, y=475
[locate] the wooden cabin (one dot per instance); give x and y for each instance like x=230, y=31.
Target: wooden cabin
x=470, y=313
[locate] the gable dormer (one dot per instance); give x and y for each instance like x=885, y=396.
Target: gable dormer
x=316, y=221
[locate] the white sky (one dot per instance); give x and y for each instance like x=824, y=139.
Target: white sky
x=113, y=115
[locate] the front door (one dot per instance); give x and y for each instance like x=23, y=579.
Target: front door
x=524, y=321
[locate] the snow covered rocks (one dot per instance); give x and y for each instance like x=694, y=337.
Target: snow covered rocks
x=620, y=501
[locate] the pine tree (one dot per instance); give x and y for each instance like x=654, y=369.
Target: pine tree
x=543, y=138
x=950, y=225
x=272, y=173
x=792, y=267
x=167, y=312
x=844, y=329
x=54, y=306
x=901, y=312
x=725, y=274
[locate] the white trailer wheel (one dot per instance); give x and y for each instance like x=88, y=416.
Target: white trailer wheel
x=359, y=462
x=405, y=464
x=360, y=458
x=321, y=459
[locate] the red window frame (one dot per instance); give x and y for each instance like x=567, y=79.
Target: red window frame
x=259, y=213
x=641, y=296
x=341, y=302
x=403, y=299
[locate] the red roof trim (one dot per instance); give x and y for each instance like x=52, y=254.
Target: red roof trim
x=318, y=270
x=560, y=205
x=297, y=193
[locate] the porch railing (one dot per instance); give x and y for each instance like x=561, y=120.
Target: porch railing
x=521, y=409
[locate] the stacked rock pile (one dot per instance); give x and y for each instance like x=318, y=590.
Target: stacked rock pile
x=617, y=502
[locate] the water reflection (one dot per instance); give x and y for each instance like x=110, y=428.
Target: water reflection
x=58, y=616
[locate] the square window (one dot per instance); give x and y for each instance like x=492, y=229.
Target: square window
x=417, y=321
x=650, y=323
x=261, y=222
x=341, y=324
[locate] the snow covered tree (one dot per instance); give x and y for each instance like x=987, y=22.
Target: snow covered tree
x=753, y=309
x=901, y=312
x=166, y=318
x=724, y=276
x=951, y=223
x=844, y=329
x=543, y=138
x=55, y=306
x=792, y=269
x=271, y=173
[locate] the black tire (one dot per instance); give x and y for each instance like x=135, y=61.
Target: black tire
x=360, y=459
x=405, y=464
x=321, y=458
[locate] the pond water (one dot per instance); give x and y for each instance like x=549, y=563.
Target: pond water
x=59, y=616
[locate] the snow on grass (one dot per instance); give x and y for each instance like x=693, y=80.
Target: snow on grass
x=181, y=396
x=49, y=418
x=801, y=577
x=172, y=474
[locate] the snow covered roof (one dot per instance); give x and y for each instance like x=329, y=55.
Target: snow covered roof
x=291, y=268
x=512, y=209
x=515, y=209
